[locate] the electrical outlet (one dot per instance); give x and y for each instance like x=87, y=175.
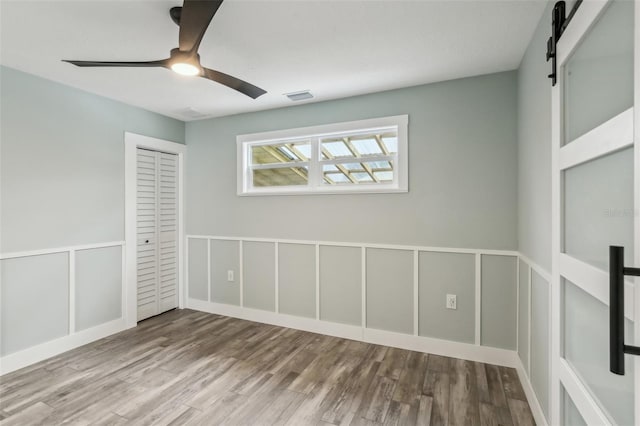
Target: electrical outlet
x=451, y=301
x=229, y=275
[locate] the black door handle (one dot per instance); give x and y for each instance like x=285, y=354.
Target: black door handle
x=617, y=347
x=147, y=241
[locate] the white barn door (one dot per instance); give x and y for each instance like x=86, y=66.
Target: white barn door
x=596, y=221
x=157, y=232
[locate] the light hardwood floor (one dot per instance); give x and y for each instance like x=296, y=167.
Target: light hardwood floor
x=188, y=367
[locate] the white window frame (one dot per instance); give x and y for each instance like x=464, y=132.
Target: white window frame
x=314, y=134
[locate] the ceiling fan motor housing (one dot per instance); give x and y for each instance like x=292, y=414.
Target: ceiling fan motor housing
x=176, y=13
x=179, y=56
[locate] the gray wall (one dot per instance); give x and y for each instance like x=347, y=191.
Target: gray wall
x=35, y=301
x=63, y=153
x=462, y=193
x=225, y=257
x=258, y=273
x=498, y=323
x=523, y=312
x=540, y=343
x=98, y=286
x=441, y=274
x=389, y=276
x=534, y=149
x=297, y=279
x=534, y=203
x=62, y=184
x=462, y=171
x=197, y=269
x=341, y=284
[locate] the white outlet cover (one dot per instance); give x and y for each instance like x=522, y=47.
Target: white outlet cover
x=451, y=301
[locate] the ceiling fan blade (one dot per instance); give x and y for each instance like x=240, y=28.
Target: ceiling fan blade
x=195, y=17
x=161, y=63
x=232, y=82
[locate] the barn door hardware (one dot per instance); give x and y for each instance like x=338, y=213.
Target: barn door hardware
x=617, y=347
x=559, y=22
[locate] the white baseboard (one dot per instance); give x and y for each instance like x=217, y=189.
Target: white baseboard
x=536, y=408
x=344, y=331
x=32, y=355
x=466, y=351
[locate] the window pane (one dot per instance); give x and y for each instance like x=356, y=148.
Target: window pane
x=362, y=177
x=598, y=208
x=384, y=176
x=380, y=143
x=355, y=173
x=586, y=348
x=390, y=141
x=280, y=153
x=281, y=176
x=599, y=74
x=335, y=148
x=380, y=165
x=367, y=146
x=335, y=178
x=353, y=166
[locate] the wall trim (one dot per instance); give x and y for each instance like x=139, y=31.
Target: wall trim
x=54, y=250
x=73, y=339
x=536, y=408
x=525, y=372
x=537, y=268
x=360, y=245
x=34, y=354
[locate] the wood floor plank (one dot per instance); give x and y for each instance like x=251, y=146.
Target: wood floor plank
x=345, y=401
x=494, y=383
x=219, y=409
x=436, y=386
x=439, y=363
x=463, y=397
x=32, y=414
x=483, y=385
x=488, y=415
x=425, y=403
x=110, y=419
x=393, y=363
x=411, y=378
x=521, y=413
x=192, y=368
x=381, y=399
x=511, y=383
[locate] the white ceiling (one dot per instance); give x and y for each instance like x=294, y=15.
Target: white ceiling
x=334, y=49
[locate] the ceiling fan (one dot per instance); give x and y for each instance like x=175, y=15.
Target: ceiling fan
x=193, y=18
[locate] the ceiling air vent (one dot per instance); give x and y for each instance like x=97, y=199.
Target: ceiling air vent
x=192, y=114
x=299, y=96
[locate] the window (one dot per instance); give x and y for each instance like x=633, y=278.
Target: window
x=358, y=156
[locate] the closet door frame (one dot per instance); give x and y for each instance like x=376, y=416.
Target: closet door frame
x=133, y=141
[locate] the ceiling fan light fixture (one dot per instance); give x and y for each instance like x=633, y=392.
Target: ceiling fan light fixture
x=184, y=68
x=185, y=63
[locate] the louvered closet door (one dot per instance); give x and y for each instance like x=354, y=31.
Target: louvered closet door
x=168, y=231
x=157, y=233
